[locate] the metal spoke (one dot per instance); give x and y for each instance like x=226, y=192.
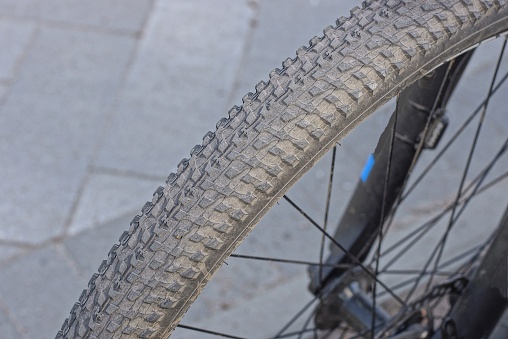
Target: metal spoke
x=453, y=138
x=419, y=148
x=299, y=333
x=436, y=248
x=469, y=253
x=348, y=254
x=296, y=316
x=441, y=240
x=327, y=212
x=305, y=324
x=468, y=163
x=341, y=328
x=476, y=190
x=431, y=223
x=218, y=334
x=381, y=221
x=414, y=272
x=481, y=178
x=288, y=261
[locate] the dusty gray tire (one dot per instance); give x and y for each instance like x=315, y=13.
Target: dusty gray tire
x=230, y=181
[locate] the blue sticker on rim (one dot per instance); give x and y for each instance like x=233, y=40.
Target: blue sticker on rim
x=367, y=168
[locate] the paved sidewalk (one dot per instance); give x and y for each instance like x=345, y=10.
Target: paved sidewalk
x=99, y=101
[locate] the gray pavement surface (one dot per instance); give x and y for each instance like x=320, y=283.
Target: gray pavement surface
x=101, y=99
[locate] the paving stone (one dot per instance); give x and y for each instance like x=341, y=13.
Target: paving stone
x=38, y=289
x=119, y=14
x=55, y=111
x=179, y=83
x=89, y=248
x=14, y=39
x=107, y=196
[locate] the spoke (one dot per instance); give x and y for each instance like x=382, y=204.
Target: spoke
x=218, y=334
x=474, y=186
x=289, y=261
x=296, y=316
x=464, y=204
x=468, y=163
x=281, y=333
x=482, y=177
x=342, y=248
x=299, y=333
x=410, y=170
x=431, y=222
x=416, y=232
x=472, y=252
x=419, y=148
x=414, y=272
x=327, y=211
x=305, y=324
x=381, y=222
x=341, y=328
x=477, y=182
x=493, y=182
x=453, y=138
x=435, y=160
x=437, y=247
x=417, y=235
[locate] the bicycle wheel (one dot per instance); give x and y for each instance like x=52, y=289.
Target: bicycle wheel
x=256, y=154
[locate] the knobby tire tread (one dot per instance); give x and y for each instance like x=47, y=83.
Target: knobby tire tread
x=239, y=171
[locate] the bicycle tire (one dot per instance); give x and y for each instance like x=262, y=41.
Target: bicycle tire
x=239, y=171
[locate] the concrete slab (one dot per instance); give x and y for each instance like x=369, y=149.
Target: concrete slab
x=179, y=83
x=107, y=197
x=37, y=290
x=14, y=39
x=125, y=15
x=55, y=112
